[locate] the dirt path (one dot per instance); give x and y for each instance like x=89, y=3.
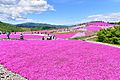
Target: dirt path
x=89, y=38
x=105, y=44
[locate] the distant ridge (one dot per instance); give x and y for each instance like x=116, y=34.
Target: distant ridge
x=33, y=25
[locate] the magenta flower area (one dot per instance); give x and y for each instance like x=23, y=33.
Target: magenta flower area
x=93, y=28
x=61, y=60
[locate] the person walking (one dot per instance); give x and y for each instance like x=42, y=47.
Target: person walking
x=0, y=32
x=43, y=38
x=37, y=32
x=53, y=37
x=8, y=35
x=21, y=37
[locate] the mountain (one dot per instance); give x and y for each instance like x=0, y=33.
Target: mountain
x=33, y=25
x=5, y=27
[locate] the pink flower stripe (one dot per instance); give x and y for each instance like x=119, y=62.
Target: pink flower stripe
x=18, y=36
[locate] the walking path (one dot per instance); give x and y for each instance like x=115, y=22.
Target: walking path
x=92, y=37
x=104, y=44
x=37, y=34
x=89, y=38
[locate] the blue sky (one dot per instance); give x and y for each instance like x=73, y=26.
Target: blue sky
x=64, y=12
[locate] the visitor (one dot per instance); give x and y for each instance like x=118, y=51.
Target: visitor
x=0, y=32
x=3, y=32
x=54, y=37
x=21, y=37
x=45, y=32
x=48, y=37
x=8, y=35
x=43, y=38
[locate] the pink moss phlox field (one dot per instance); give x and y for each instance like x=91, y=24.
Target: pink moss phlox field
x=102, y=24
x=93, y=28
x=61, y=60
x=97, y=26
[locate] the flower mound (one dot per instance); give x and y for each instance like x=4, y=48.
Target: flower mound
x=61, y=60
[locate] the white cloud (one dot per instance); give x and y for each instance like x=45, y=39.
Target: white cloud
x=15, y=9
x=112, y=17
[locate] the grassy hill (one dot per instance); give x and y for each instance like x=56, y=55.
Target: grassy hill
x=5, y=27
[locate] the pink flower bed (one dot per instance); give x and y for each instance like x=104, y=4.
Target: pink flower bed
x=25, y=36
x=61, y=60
x=97, y=26
x=93, y=28
x=104, y=24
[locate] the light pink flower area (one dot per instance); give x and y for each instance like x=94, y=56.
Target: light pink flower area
x=79, y=34
x=97, y=26
x=89, y=33
x=61, y=60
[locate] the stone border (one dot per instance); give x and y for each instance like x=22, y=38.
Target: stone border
x=8, y=75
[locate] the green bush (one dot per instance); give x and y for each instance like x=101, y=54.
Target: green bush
x=109, y=35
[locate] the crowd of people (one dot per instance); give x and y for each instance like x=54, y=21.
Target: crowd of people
x=46, y=37
x=9, y=33
x=49, y=37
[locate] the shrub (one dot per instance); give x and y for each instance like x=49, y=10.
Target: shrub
x=109, y=35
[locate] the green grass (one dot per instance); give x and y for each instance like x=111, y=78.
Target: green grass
x=80, y=38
